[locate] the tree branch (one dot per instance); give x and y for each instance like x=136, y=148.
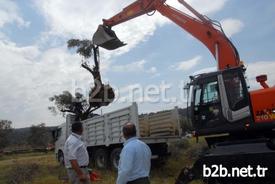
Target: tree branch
x=87, y=68
x=93, y=110
x=67, y=111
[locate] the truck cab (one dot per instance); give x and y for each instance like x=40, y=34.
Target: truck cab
x=60, y=136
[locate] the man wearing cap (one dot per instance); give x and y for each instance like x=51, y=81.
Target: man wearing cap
x=135, y=159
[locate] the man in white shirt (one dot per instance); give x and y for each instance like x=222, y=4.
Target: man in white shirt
x=135, y=159
x=76, y=156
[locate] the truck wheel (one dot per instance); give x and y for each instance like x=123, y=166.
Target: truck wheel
x=60, y=158
x=101, y=159
x=114, y=158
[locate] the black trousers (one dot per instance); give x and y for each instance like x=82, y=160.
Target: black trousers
x=140, y=181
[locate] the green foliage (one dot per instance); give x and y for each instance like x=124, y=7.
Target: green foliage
x=84, y=47
x=63, y=102
x=66, y=102
x=39, y=136
x=5, y=130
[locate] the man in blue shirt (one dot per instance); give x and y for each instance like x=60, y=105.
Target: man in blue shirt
x=135, y=159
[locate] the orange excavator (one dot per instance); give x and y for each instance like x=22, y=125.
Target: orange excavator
x=238, y=124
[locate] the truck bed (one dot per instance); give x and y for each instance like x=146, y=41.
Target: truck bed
x=107, y=129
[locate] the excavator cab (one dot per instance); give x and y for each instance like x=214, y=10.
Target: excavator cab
x=106, y=38
x=219, y=102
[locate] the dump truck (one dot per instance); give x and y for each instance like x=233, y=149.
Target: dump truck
x=103, y=134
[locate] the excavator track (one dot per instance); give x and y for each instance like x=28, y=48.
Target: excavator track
x=246, y=153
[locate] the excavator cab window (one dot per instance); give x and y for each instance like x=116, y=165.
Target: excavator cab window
x=197, y=96
x=235, y=90
x=219, y=98
x=210, y=93
x=207, y=105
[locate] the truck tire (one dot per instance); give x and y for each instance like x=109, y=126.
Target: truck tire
x=101, y=159
x=114, y=158
x=60, y=158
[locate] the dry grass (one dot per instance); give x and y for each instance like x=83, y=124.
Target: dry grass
x=48, y=170
x=42, y=167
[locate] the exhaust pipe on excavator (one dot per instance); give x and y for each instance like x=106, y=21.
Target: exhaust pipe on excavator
x=106, y=38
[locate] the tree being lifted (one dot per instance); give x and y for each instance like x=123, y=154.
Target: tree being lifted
x=100, y=94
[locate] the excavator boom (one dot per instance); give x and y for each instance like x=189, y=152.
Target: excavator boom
x=202, y=28
x=241, y=122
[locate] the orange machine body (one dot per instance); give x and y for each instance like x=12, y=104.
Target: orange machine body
x=210, y=33
x=263, y=105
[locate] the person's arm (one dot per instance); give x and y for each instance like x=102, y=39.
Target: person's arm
x=125, y=165
x=73, y=160
x=80, y=174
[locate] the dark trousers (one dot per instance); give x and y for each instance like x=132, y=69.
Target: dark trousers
x=140, y=181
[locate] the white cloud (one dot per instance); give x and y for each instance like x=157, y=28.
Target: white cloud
x=130, y=87
x=68, y=19
x=232, y=26
x=131, y=67
x=9, y=13
x=205, y=70
x=136, y=67
x=203, y=7
x=152, y=70
x=28, y=77
x=3, y=36
x=187, y=64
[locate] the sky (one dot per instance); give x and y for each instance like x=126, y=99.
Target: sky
x=36, y=64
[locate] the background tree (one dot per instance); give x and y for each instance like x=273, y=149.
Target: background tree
x=39, y=136
x=5, y=130
x=100, y=94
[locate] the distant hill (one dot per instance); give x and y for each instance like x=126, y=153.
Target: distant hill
x=20, y=136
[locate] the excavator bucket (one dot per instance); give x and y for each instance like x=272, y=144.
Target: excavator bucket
x=106, y=38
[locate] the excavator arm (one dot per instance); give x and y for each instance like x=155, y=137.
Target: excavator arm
x=202, y=28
